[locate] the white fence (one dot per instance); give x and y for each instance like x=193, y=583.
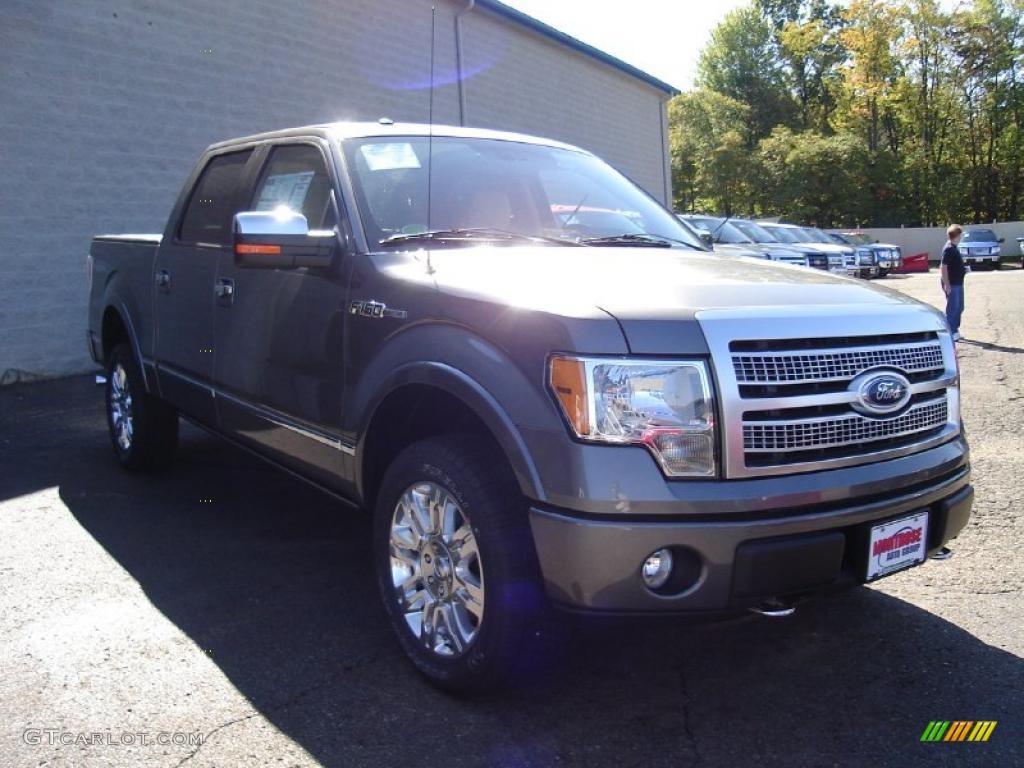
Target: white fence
x=931, y=239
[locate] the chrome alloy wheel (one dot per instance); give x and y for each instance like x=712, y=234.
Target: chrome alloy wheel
x=436, y=569
x=120, y=404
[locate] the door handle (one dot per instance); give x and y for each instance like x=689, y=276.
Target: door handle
x=162, y=278
x=224, y=288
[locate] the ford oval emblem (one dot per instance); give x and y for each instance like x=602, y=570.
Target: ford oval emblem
x=879, y=393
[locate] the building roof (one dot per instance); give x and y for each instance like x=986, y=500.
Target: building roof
x=558, y=36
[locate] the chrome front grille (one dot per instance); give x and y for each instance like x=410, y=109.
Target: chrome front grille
x=791, y=385
x=832, y=432
x=818, y=366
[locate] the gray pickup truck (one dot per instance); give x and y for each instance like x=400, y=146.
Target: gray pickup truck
x=539, y=409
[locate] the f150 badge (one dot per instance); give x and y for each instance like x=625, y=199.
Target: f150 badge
x=375, y=309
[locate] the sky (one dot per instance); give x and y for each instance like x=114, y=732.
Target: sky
x=661, y=37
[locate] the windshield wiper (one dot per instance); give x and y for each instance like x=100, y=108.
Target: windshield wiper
x=637, y=238
x=469, y=234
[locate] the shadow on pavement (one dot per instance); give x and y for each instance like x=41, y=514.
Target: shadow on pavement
x=987, y=345
x=275, y=579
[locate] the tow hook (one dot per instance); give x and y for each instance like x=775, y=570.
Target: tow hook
x=774, y=608
x=943, y=554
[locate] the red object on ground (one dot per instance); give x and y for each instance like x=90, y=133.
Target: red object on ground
x=916, y=263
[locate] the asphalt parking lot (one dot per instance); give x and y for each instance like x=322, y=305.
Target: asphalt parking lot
x=225, y=599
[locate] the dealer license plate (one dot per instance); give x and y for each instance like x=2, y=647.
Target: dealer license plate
x=897, y=544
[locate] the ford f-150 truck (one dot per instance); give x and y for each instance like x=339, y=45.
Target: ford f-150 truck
x=539, y=409
x=981, y=247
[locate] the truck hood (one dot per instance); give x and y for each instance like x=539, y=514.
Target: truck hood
x=843, y=250
x=804, y=248
x=654, y=293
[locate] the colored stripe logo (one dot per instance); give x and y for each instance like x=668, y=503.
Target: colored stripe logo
x=958, y=730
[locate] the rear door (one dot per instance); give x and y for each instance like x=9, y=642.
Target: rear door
x=279, y=361
x=184, y=274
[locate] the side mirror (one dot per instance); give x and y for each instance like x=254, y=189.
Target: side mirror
x=709, y=241
x=281, y=239
x=1002, y=240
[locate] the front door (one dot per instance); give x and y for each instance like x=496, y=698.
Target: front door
x=279, y=365
x=184, y=274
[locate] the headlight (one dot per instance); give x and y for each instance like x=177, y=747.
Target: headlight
x=665, y=406
x=995, y=250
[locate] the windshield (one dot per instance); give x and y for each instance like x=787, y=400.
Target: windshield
x=754, y=232
x=815, y=235
x=484, y=187
x=725, y=233
x=859, y=238
x=782, y=234
x=979, y=236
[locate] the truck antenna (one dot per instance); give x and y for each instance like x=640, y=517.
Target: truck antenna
x=430, y=134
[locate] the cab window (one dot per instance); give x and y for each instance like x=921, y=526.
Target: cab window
x=211, y=207
x=296, y=177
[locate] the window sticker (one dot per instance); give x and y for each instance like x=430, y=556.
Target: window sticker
x=287, y=189
x=390, y=157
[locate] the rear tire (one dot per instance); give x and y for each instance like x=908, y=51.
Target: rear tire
x=143, y=428
x=457, y=568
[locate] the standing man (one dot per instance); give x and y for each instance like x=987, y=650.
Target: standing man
x=952, y=272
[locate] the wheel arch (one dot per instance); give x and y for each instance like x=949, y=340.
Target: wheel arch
x=428, y=398
x=117, y=327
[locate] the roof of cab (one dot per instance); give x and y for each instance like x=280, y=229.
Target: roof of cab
x=387, y=129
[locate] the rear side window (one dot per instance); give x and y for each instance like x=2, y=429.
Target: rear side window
x=209, y=211
x=296, y=177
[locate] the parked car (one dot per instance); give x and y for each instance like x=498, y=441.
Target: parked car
x=887, y=257
x=1020, y=246
x=535, y=416
x=816, y=236
x=726, y=237
x=726, y=249
x=840, y=259
x=980, y=247
x=867, y=262
x=813, y=257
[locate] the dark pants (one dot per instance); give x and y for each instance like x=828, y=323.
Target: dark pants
x=955, y=307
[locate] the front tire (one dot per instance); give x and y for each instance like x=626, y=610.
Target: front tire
x=143, y=428
x=456, y=566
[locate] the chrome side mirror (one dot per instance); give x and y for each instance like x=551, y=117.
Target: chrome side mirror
x=280, y=239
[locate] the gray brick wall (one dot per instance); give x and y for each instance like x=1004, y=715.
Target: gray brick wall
x=108, y=103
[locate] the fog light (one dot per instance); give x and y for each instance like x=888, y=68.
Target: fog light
x=657, y=568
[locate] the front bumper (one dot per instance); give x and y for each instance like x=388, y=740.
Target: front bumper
x=593, y=564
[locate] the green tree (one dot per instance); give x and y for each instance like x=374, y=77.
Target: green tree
x=987, y=50
x=710, y=158
x=809, y=45
x=813, y=178
x=739, y=62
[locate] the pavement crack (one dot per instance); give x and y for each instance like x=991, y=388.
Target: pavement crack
x=684, y=687
x=291, y=701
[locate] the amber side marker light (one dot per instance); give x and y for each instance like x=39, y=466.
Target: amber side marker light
x=244, y=248
x=568, y=380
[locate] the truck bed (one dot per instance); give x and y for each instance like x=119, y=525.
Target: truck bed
x=121, y=265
